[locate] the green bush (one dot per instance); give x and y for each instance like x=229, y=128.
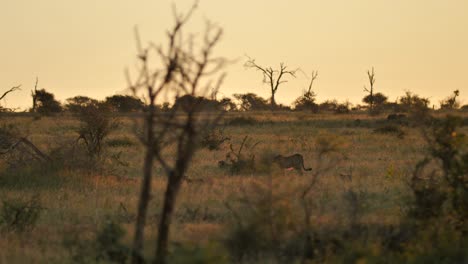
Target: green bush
x=443, y=174
x=264, y=226
x=108, y=243
x=196, y=254
x=106, y=247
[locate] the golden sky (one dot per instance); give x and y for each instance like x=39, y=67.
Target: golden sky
x=82, y=47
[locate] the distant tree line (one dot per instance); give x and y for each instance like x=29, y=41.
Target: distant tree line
x=45, y=103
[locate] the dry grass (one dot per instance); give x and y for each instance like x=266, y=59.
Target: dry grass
x=380, y=166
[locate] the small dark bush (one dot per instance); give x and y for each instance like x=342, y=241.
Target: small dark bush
x=20, y=215
x=342, y=108
x=207, y=254
x=396, y=116
x=241, y=121
x=96, y=124
x=120, y=142
x=264, y=226
x=106, y=247
x=390, y=129
x=213, y=139
x=241, y=160
x=448, y=147
x=244, y=242
x=109, y=246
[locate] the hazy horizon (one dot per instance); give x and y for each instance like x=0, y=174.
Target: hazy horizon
x=82, y=48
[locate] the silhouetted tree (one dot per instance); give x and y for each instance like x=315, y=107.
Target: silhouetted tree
x=411, y=101
x=96, y=124
x=34, y=96
x=46, y=103
x=184, y=67
x=15, y=88
x=165, y=107
x=328, y=105
x=343, y=108
x=227, y=104
x=370, y=90
x=272, y=77
x=78, y=103
x=124, y=103
x=251, y=102
x=378, y=100
x=205, y=104
x=451, y=102
x=307, y=100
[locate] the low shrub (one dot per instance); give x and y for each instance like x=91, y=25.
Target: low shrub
x=213, y=139
x=241, y=121
x=241, y=160
x=390, y=129
x=264, y=225
x=197, y=254
x=96, y=125
x=109, y=246
x=105, y=247
x=122, y=142
x=20, y=215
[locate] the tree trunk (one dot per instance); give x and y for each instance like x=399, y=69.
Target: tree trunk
x=170, y=196
x=137, y=254
x=273, y=101
x=34, y=105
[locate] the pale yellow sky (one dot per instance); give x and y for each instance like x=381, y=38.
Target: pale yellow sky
x=82, y=47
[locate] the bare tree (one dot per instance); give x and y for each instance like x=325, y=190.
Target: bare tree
x=10, y=91
x=15, y=88
x=183, y=70
x=307, y=99
x=34, y=96
x=370, y=90
x=312, y=79
x=271, y=76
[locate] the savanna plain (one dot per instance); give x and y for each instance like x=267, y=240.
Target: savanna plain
x=356, y=205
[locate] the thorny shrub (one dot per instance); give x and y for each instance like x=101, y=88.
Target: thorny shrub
x=443, y=174
x=20, y=215
x=105, y=247
x=96, y=124
x=213, y=139
x=242, y=159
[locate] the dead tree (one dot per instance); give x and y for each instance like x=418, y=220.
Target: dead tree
x=15, y=88
x=34, y=97
x=370, y=90
x=183, y=70
x=312, y=79
x=26, y=147
x=309, y=94
x=271, y=76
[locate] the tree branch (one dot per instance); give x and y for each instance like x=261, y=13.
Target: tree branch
x=15, y=88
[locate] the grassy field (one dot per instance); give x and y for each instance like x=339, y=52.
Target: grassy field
x=365, y=168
